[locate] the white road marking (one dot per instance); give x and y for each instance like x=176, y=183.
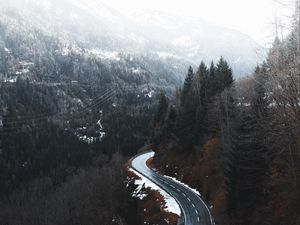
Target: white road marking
x=163, y=180
x=172, y=186
x=193, y=205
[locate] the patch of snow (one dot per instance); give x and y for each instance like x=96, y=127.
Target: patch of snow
x=26, y=64
x=24, y=71
x=136, y=70
x=170, y=203
x=150, y=94
x=102, y=134
x=79, y=101
x=13, y=80
x=65, y=51
x=99, y=124
x=105, y=54
x=165, y=55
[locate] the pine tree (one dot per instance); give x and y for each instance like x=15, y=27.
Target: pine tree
x=170, y=123
x=162, y=109
x=259, y=100
x=185, y=119
x=201, y=82
x=201, y=98
x=224, y=75
x=212, y=81
x=187, y=86
x=159, y=119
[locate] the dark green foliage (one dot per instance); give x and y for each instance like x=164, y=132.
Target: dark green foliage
x=247, y=172
x=161, y=111
x=192, y=111
x=170, y=123
x=186, y=111
x=187, y=85
x=201, y=86
x=40, y=127
x=212, y=81
x=259, y=99
x=209, y=109
x=224, y=74
x=159, y=119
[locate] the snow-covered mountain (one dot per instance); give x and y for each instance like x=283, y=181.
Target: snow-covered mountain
x=95, y=26
x=196, y=39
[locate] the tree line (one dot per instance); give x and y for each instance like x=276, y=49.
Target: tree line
x=238, y=141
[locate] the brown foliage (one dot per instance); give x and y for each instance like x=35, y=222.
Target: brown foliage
x=201, y=170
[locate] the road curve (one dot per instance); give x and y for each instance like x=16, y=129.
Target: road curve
x=193, y=207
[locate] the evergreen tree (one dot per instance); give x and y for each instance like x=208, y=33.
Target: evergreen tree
x=212, y=81
x=159, y=119
x=187, y=86
x=161, y=110
x=224, y=75
x=201, y=83
x=248, y=167
x=259, y=100
x=170, y=122
x=185, y=119
x=201, y=98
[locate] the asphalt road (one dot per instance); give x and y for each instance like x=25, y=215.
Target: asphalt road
x=192, y=206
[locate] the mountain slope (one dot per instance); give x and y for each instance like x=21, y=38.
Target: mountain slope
x=196, y=39
x=95, y=25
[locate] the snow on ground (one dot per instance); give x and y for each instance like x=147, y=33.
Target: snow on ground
x=136, y=70
x=170, y=203
x=150, y=94
x=174, y=179
x=13, y=80
x=98, y=135
x=106, y=55
x=165, y=55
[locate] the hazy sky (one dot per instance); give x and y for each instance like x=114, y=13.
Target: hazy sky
x=253, y=17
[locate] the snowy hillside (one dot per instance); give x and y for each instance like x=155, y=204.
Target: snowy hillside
x=173, y=38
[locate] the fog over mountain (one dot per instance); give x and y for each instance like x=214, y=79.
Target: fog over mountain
x=95, y=26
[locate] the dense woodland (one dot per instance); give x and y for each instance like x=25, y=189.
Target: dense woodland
x=239, y=139
x=48, y=168
x=69, y=120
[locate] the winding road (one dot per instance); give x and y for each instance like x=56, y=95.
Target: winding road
x=194, y=209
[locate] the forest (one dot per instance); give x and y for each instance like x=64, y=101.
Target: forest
x=66, y=121
x=239, y=139
x=71, y=117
